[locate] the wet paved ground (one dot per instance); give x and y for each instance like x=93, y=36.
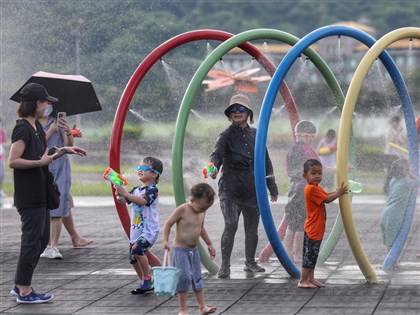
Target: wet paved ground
x=98, y=279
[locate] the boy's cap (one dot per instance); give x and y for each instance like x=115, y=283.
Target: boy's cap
x=36, y=92
x=305, y=127
x=241, y=99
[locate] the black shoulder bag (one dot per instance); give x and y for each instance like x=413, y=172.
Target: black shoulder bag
x=53, y=193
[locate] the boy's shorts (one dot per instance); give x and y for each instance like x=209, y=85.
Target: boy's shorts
x=188, y=260
x=310, y=252
x=142, y=247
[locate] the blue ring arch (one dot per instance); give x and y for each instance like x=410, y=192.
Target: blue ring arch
x=265, y=113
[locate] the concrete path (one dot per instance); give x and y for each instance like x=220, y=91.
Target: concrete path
x=98, y=279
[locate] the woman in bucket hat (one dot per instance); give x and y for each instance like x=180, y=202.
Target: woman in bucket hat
x=234, y=150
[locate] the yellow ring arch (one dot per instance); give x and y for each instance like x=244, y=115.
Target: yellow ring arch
x=344, y=139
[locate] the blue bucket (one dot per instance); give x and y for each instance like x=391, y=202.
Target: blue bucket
x=166, y=278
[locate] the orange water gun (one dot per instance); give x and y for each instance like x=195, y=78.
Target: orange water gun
x=114, y=177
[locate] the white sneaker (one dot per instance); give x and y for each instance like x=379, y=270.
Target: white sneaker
x=46, y=253
x=51, y=253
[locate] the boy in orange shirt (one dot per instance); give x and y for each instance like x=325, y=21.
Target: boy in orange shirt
x=315, y=198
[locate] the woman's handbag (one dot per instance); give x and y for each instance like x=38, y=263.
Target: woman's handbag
x=166, y=277
x=53, y=193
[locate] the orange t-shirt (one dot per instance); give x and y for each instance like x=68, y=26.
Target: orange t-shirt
x=315, y=211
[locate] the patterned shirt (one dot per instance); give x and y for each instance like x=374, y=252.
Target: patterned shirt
x=145, y=219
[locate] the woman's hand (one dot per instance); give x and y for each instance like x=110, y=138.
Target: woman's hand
x=51, y=130
x=215, y=172
x=72, y=150
x=47, y=159
x=62, y=124
x=76, y=132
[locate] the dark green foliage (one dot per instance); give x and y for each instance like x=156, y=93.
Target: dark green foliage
x=113, y=37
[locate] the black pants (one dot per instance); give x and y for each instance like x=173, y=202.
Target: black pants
x=34, y=239
x=231, y=212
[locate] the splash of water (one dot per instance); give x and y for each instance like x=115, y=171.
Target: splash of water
x=209, y=49
x=278, y=111
x=382, y=80
x=138, y=115
x=265, y=47
x=303, y=63
x=177, y=82
x=410, y=57
x=196, y=114
x=251, y=64
x=304, y=74
x=340, y=61
x=223, y=64
x=331, y=110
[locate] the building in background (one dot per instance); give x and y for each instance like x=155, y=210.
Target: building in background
x=341, y=53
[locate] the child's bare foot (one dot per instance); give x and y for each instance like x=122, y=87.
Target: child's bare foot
x=318, y=284
x=306, y=285
x=81, y=242
x=183, y=313
x=208, y=310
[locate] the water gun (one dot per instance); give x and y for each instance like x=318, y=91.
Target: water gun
x=355, y=187
x=396, y=146
x=114, y=177
x=208, y=170
x=327, y=150
x=76, y=132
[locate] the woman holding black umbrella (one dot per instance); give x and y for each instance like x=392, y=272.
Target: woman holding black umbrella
x=29, y=160
x=59, y=134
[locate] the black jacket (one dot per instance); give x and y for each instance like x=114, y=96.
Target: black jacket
x=234, y=150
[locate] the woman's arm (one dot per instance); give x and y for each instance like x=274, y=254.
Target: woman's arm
x=17, y=162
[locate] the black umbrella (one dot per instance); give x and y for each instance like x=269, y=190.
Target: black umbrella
x=75, y=93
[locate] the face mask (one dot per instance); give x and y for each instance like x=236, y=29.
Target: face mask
x=48, y=110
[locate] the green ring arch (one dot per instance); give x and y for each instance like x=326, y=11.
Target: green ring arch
x=195, y=83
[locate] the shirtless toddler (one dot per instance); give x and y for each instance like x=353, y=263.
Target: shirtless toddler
x=189, y=219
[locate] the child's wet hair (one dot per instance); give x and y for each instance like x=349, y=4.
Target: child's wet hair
x=202, y=190
x=400, y=168
x=331, y=133
x=156, y=164
x=309, y=163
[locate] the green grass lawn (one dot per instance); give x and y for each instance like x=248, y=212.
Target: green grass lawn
x=372, y=182
x=96, y=188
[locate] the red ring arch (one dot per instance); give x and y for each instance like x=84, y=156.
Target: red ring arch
x=144, y=67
